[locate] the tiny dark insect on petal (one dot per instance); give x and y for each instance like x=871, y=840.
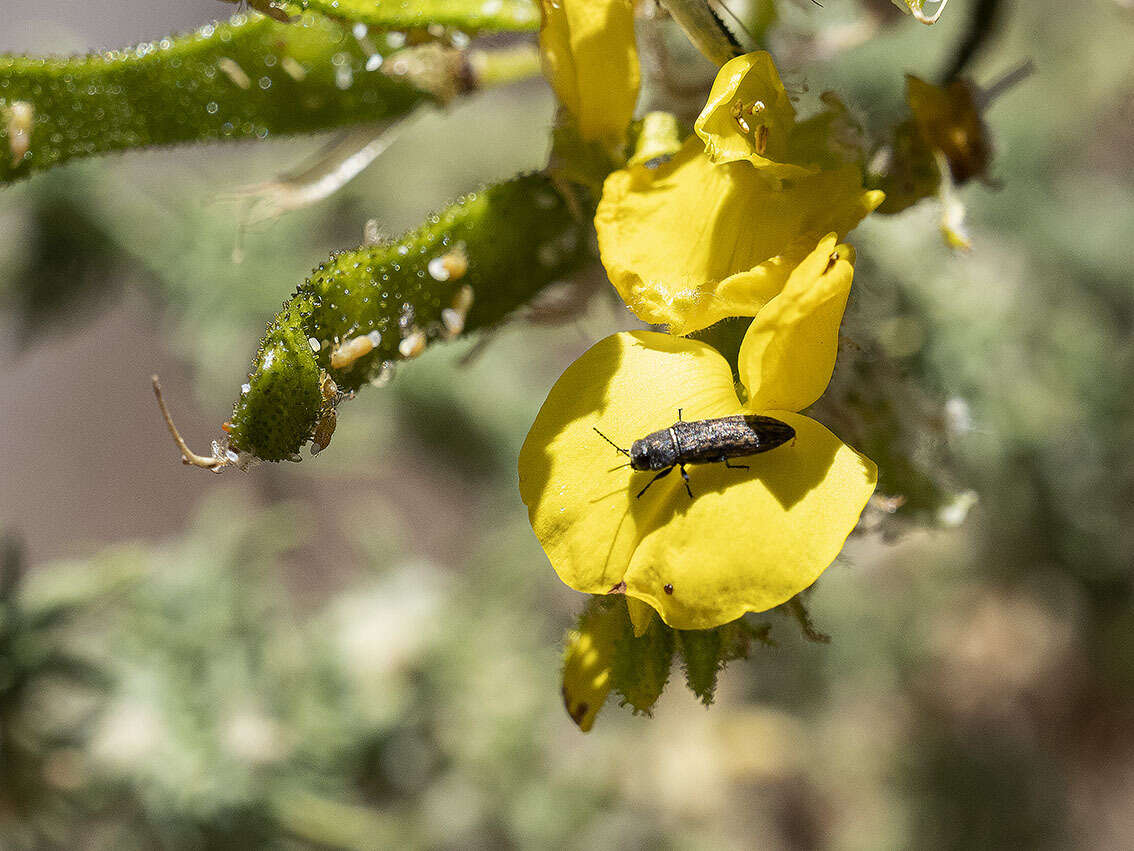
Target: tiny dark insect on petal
x=703, y=442
x=668, y=588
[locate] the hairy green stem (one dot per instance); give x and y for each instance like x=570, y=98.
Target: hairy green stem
x=467, y=15
x=249, y=78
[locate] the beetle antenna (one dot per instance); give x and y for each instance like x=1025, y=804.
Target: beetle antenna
x=187, y=455
x=611, y=442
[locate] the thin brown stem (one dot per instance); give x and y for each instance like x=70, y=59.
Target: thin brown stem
x=188, y=456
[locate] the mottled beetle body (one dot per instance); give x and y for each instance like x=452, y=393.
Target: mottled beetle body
x=704, y=442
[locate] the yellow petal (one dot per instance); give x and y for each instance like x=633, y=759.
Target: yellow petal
x=584, y=512
x=789, y=351
x=749, y=117
x=748, y=540
x=640, y=615
x=752, y=539
x=590, y=59
x=587, y=662
x=689, y=243
x=658, y=139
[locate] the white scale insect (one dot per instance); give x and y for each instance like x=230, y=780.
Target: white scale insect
x=21, y=122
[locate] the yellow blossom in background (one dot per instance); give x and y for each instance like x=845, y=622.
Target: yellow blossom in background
x=590, y=59
x=689, y=243
x=949, y=120
x=749, y=539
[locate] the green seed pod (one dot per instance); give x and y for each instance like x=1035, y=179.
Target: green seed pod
x=249, y=78
x=279, y=406
x=467, y=268
x=366, y=310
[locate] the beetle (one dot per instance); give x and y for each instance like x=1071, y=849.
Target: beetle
x=703, y=442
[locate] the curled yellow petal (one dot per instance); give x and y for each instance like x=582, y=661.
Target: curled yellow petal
x=789, y=351
x=689, y=243
x=750, y=537
x=641, y=615
x=749, y=117
x=591, y=61
x=658, y=139
x=587, y=662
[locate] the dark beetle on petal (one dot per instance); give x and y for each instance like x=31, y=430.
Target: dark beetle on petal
x=703, y=442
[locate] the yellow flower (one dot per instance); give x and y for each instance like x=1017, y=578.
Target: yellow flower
x=590, y=59
x=689, y=243
x=748, y=540
x=749, y=117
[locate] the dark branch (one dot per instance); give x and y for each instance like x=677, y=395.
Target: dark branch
x=983, y=24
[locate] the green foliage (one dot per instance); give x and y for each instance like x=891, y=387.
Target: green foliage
x=32, y=656
x=249, y=78
x=505, y=243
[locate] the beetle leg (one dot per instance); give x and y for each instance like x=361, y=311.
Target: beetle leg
x=664, y=472
x=685, y=476
x=735, y=466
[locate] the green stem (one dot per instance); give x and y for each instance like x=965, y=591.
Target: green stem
x=467, y=15
x=249, y=78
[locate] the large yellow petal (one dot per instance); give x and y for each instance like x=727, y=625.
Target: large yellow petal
x=748, y=117
x=789, y=351
x=590, y=59
x=584, y=512
x=689, y=243
x=752, y=539
x=749, y=539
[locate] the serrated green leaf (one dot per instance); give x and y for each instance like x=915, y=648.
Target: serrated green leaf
x=701, y=653
x=249, y=78
x=468, y=15
x=641, y=665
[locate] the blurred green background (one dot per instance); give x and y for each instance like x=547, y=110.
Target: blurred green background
x=362, y=650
